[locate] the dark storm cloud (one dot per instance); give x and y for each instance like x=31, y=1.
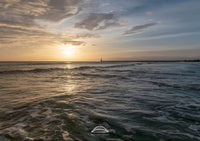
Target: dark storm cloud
x=139, y=28
x=98, y=21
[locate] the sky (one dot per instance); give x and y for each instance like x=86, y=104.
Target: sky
x=87, y=30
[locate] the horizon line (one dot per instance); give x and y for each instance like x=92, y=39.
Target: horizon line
x=178, y=60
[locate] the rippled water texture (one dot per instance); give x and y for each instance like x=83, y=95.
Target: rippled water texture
x=135, y=101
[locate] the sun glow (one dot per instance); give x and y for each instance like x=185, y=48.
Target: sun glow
x=68, y=50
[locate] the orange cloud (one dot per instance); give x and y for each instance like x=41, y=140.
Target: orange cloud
x=149, y=13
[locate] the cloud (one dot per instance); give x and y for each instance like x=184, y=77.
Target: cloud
x=16, y=37
x=98, y=21
x=123, y=22
x=168, y=36
x=20, y=26
x=19, y=35
x=139, y=28
x=149, y=13
x=75, y=43
x=60, y=9
x=50, y=10
x=19, y=29
x=87, y=35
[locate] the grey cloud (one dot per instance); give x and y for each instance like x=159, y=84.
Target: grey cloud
x=21, y=10
x=60, y=9
x=75, y=43
x=17, y=37
x=17, y=25
x=28, y=10
x=87, y=35
x=98, y=21
x=139, y=28
x=20, y=26
x=57, y=15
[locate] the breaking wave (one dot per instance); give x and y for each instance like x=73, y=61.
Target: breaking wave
x=39, y=70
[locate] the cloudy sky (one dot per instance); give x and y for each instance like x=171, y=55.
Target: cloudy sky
x=86, y=30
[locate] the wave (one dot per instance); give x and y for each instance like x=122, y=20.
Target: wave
x=39, y=70
x=31, y=71
x=194, y=87
x=119, y=66
x=102, y=75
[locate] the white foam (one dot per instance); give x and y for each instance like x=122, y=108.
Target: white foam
x=34, y=112
x=18, y=128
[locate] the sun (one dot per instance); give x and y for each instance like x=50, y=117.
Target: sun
x=68, y=50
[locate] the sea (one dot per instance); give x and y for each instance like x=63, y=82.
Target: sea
x=134, y=101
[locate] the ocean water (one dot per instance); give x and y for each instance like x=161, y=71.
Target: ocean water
x=135, y=101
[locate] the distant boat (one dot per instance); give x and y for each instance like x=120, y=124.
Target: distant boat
x=101, y=60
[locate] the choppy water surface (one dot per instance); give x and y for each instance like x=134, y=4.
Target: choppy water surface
x=137, y=101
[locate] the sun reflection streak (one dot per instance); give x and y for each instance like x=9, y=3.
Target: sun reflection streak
x=69, y=86
x=68, y=66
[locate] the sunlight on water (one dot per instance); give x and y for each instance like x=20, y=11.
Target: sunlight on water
x=69, y=87
x=134, y=101
x=69, y=66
